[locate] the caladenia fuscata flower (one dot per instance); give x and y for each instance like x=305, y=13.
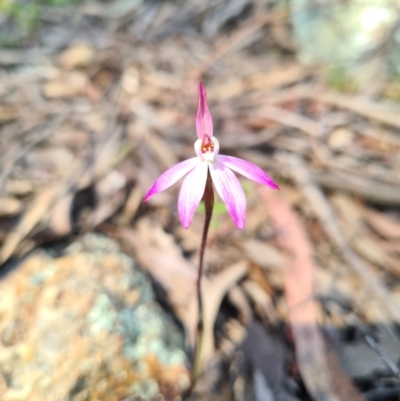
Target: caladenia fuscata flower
x=209, y=163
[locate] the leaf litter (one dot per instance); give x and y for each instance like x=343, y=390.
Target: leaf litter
x=87, y=125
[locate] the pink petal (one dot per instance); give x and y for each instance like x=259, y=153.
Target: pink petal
x=191, y=193
x=171, y=176
x=248, y=170
x=204, y=124
x=230, y=191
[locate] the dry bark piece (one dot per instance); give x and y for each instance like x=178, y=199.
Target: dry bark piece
x=299, y=279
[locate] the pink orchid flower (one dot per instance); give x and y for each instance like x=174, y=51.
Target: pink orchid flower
x=207, y=161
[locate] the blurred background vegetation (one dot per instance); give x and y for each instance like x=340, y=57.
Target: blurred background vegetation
x=19, y=20
x=356, y=41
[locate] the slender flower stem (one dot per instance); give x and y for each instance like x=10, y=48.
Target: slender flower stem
x=208, y=199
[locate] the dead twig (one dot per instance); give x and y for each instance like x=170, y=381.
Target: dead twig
x=290, y=119
x=224, y=45
x=327, y=218
x=299, y=277
x=354, y=103
x=50, y=130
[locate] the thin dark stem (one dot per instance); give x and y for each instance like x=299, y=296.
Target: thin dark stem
x=208, y=199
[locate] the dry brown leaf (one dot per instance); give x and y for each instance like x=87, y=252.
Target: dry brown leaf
x=157, y=252
x=131, y=206
x=106, y=207
x=235, y=335
x=67, y=85
x=213, y=292
x=110, y=185
x=257, y=275
x=79, y=55
x=340, y=138
x=238, y=299
x=344, y=385
x=261, y=299
x=130, y=80
x=40, y=207
x=225, y=44
x=94, y=122
x=290, y=119
x=368, y=188
x=355, y=103
x=278, y=76
x=264, y=255
x=57, y=161
x=299, y=280
x=351, y=220
x=268, y=80
x=9, y=206
x=19, y=187
x=365, y=245
x=360, y=105
x=383, y=225
x=161, y=149
x=377, y=291
x=60, y=218
x=108, y=155
x=8, y=113
x=371, y=250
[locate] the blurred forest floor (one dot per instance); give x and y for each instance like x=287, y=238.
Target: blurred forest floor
x=97, y=293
